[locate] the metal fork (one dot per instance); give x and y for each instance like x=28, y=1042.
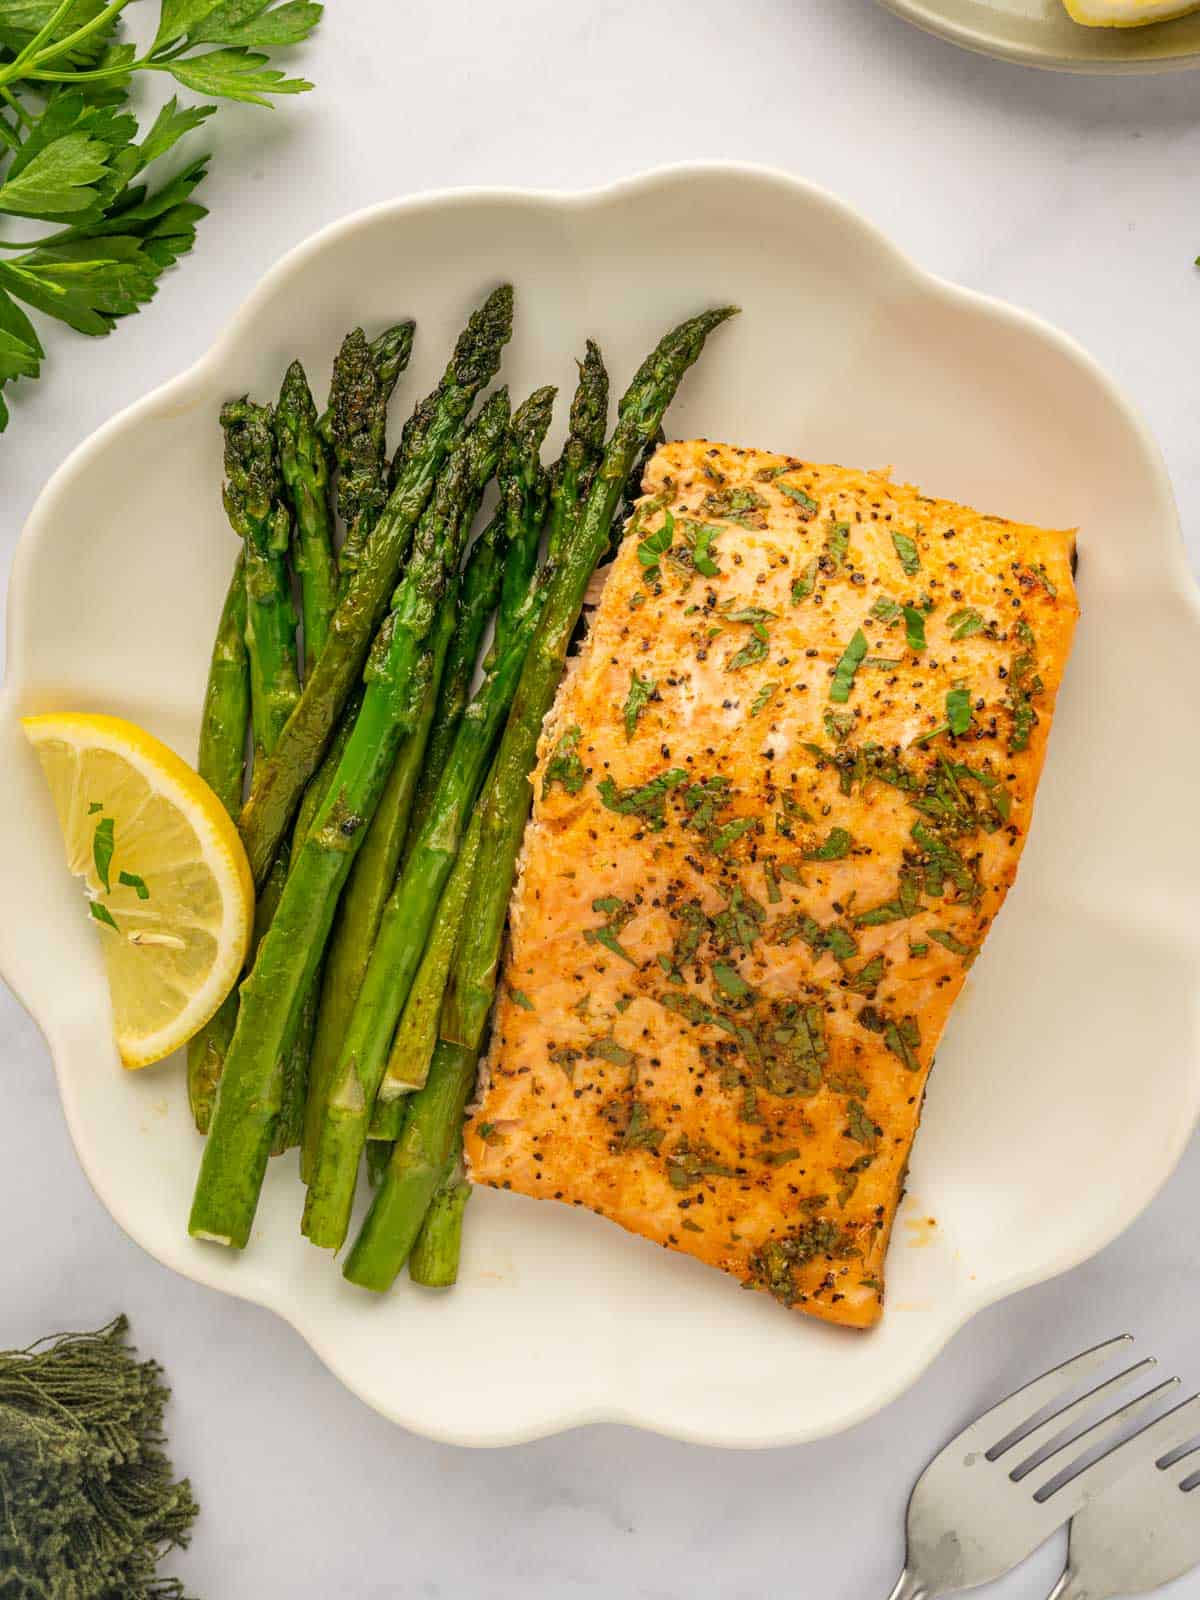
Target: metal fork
x=1007, y=1482
x=1141, y=1535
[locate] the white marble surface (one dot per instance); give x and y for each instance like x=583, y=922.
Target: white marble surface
x=1074, y=197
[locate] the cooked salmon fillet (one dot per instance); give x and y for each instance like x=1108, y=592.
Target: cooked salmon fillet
x=778, y=803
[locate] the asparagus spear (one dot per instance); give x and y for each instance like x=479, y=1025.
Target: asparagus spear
x=366, y=892
x=632, y=492
x=304, y=467
x=294, y=1071
x=434, y=1259
x=221, y=762
x=499, y=571
x=208, y=1048
x=435, y=1114
x=411, y=907
x=524, y=490
x=251, y=495
x=364, y=376
x=250, y=1090
x=379, y=1153
x=416, y=1034
x=298, y=1050
x=479, y=594
x=280, y=780
x=583, y=449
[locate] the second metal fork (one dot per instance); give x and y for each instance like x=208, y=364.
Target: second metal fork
x=1142, y=1534
x=1010, y=1480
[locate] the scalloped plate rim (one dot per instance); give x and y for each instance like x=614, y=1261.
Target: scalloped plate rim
x=560, y=1419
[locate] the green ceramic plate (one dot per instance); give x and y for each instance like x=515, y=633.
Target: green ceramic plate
x=1039, y=33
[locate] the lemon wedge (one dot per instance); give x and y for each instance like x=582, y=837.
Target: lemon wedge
x=1127, y=13
x=166, y=877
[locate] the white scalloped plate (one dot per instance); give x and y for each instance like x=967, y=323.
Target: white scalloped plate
x=1039, y=33
x=1069, y=1081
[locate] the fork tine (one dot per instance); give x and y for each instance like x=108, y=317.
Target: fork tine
x=1148, y=1445
x=1058, y=1461
x=995, y=1425
x=1184, y=1465
x=1033, y=1441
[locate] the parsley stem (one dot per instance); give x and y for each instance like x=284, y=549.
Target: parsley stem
x=35, y=53
x=94, y=74
x=46, y=31
x=22, y=115
x=172, y=53
x=95, y=25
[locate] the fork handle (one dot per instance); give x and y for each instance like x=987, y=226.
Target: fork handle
x=910, y=1587
x=1066, y=1588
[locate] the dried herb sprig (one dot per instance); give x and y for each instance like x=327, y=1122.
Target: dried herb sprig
x=89, y=1504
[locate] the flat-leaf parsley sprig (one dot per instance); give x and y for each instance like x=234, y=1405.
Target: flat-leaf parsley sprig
x=72, y=154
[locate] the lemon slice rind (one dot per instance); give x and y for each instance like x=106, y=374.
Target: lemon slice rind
x=1127, y=13
x=177, y=963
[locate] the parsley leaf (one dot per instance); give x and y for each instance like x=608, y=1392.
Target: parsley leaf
x=869, y=977
x=730, y=981
x=654, y=546
x=648, y=801
x=958, y=710
x=58, y=180
x=837, y=542
x=641, y=692
x=909, y=555
x=964, y=623
x=619, y=912
x=724, y=837
x=762, y=698
x=754, y=650
x=860, y=1126
x=914, y=626
x=236, y=22
x=102, y=850
x=641, y=1133
x=803, y=586
x=903, y=1039
x=237, y=74
x=949, y=942
x=564, y=766
x=132, y=881
x=103, y=914
x=837, y=847
x=609, y=1050
x=702, y=538
x=71, y=155
x=807, y=504
x=843, y=676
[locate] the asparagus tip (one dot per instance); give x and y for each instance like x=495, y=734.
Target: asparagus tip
x=477, y=354
x=390, y=351
x=295, y=408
